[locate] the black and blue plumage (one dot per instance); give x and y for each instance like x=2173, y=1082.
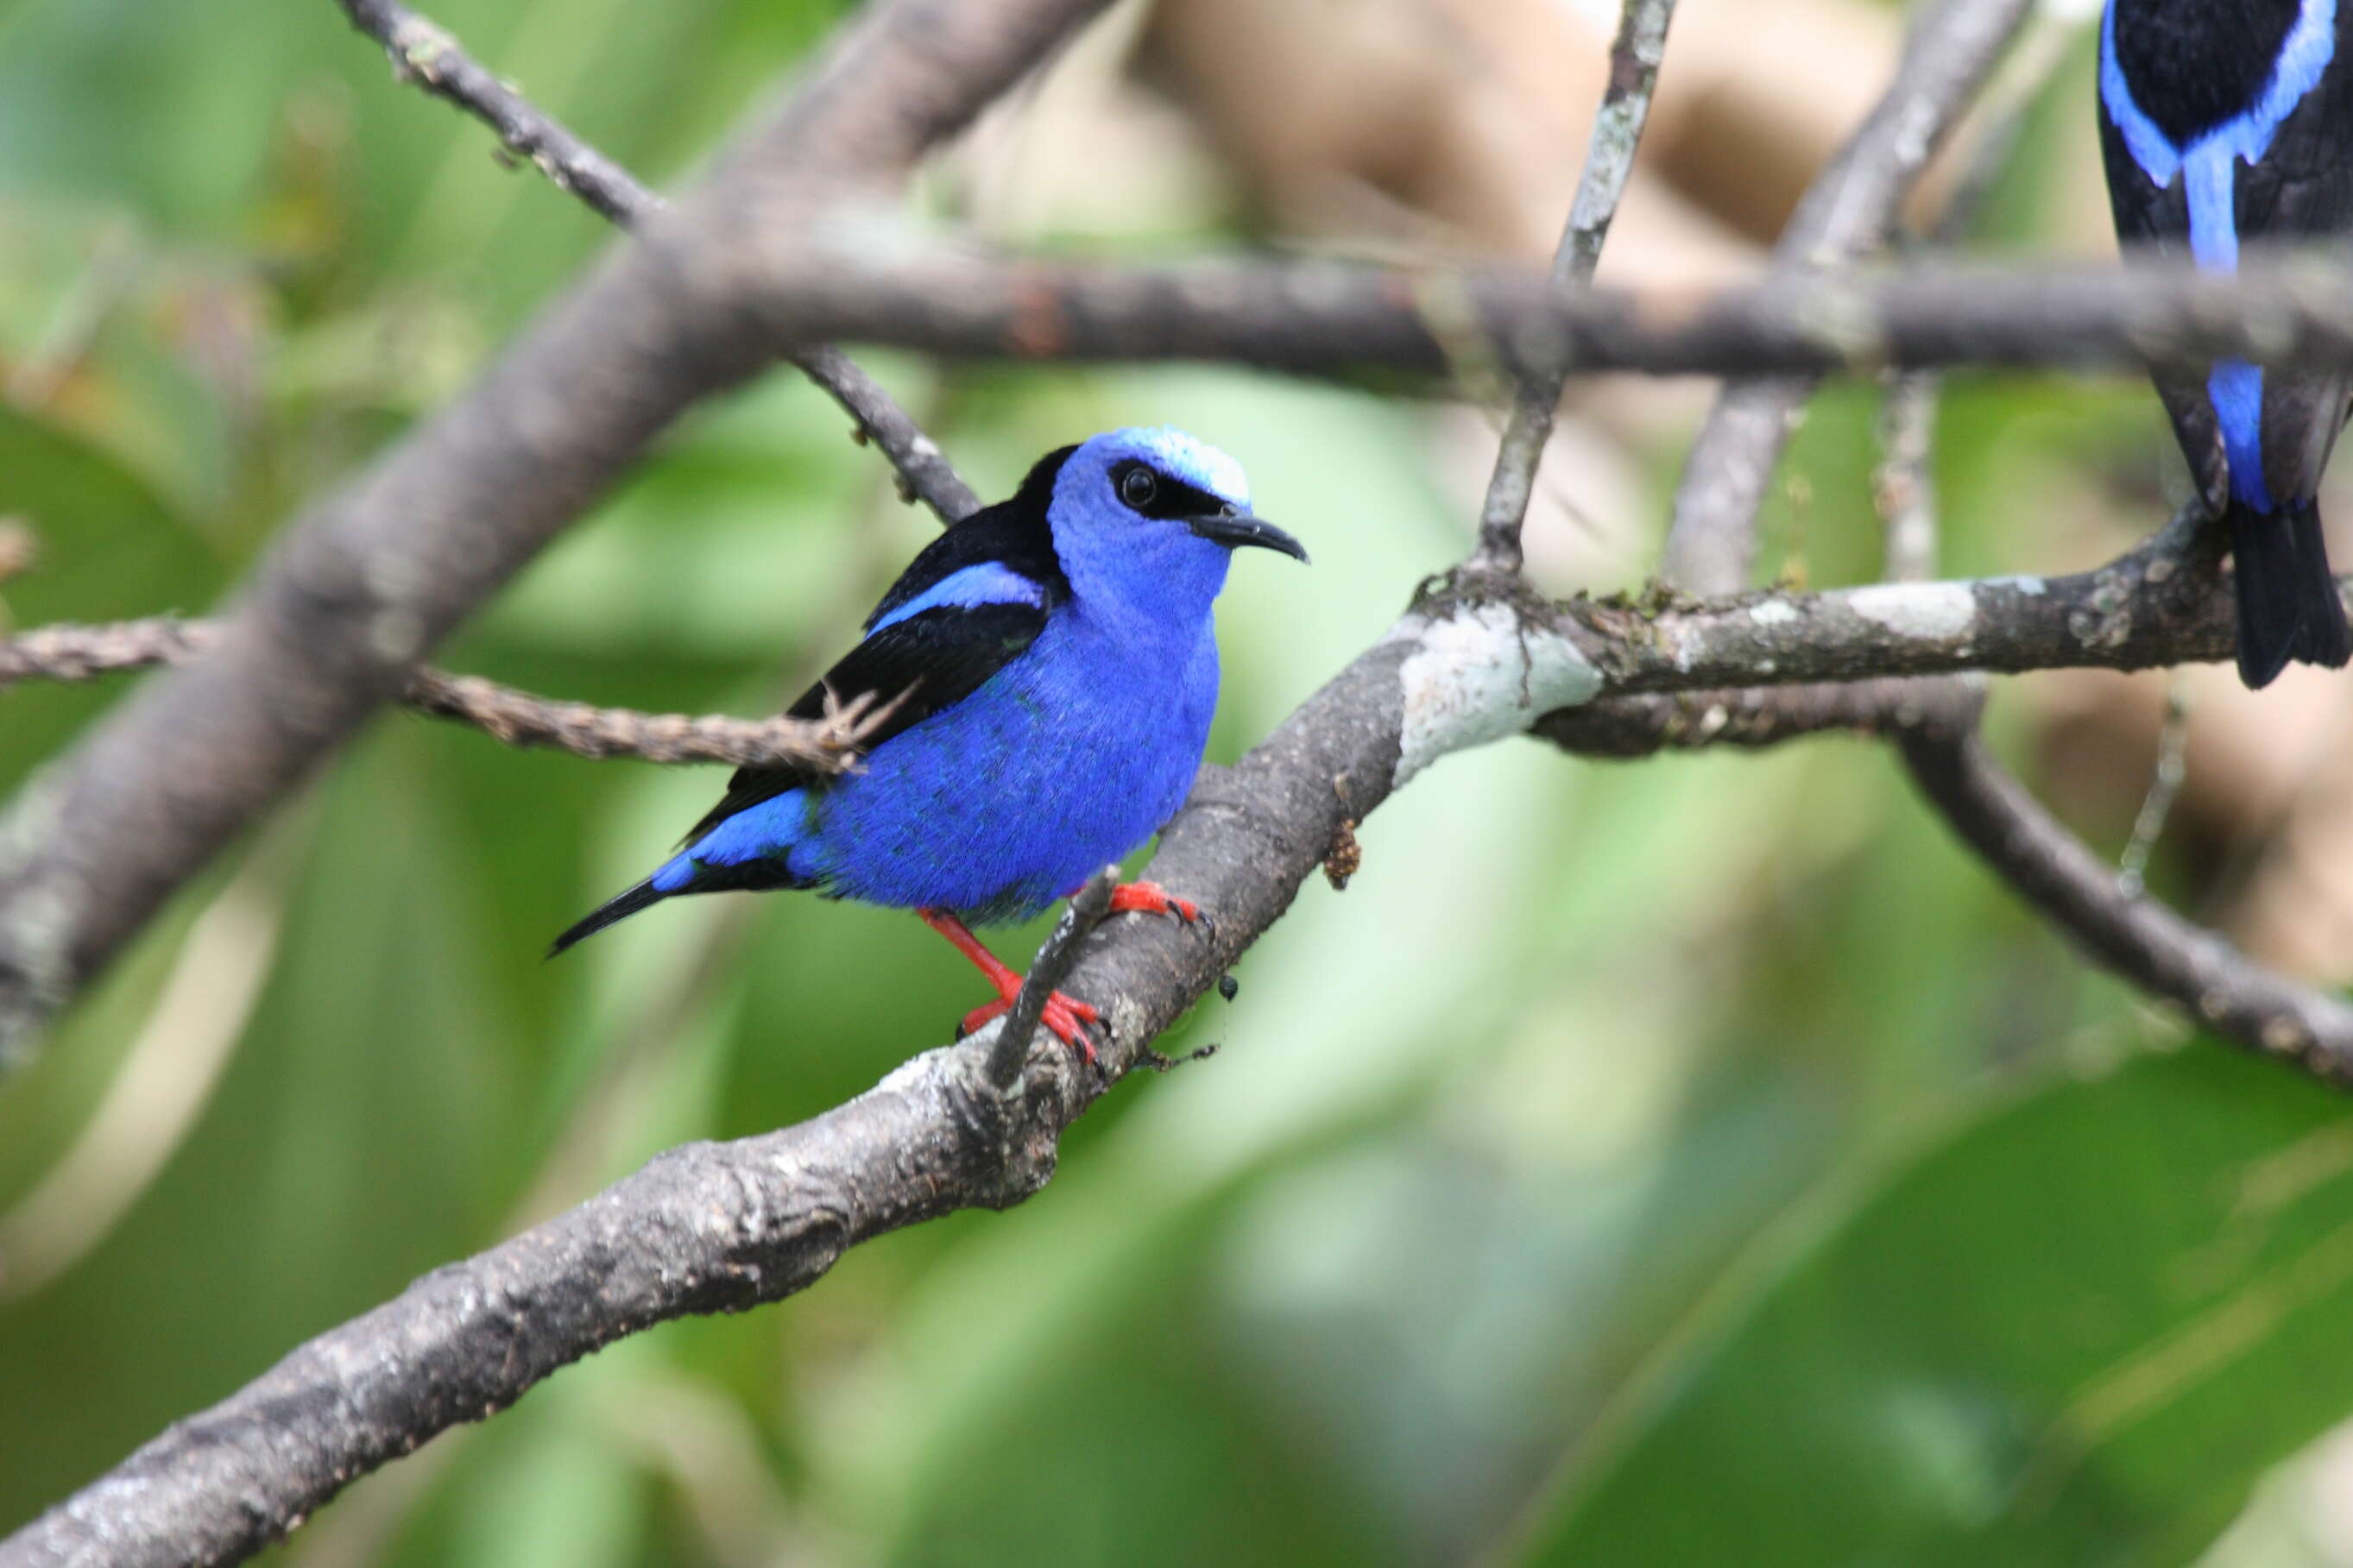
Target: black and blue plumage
x=1054, y=664
x=2223, y=122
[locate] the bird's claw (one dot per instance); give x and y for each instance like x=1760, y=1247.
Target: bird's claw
x=1070, y=1019
x=1152, y=899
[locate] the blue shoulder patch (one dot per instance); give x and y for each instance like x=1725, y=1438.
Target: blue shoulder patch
x=987, y=582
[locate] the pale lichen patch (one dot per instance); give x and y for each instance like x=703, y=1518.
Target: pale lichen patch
x=1478, y=675
x=1936, y=612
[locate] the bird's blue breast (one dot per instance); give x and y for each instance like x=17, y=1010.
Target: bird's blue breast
x=1068, y=758
x=2207, y=163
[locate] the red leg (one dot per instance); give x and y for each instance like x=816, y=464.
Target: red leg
x=1066, y=1016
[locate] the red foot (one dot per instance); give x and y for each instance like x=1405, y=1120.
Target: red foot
x=1152, y=899
x=1066, y=1016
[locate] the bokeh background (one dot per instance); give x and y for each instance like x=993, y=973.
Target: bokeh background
x=1697, y=1160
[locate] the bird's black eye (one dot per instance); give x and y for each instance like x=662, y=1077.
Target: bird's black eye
x=1138, y=487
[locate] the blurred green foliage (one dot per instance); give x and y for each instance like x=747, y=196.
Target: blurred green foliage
x=1693, y=1161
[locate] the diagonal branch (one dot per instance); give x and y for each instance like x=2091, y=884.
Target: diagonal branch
x=2133, y=935
x=829, y=744
x=1634, y=56
x=1847, y=214
x=426, y=54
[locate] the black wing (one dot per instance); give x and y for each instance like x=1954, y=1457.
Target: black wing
x=2193, y=64
x=937, y=657
x=1012, y=532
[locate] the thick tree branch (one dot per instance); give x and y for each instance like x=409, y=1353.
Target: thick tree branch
x=361, y=588
x=424, y=53
x=1848, y=212
x=517, y=718
x=2160, y=603
x=1634, y=56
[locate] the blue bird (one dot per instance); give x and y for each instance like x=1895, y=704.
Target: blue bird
x=2221, y=124
x=1054, y=665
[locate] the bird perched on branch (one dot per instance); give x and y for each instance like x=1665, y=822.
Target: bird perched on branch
x=1053, y=666
x=2222, y=123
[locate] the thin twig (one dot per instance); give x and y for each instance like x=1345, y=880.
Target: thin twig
x=68, y=652
x=1634, y=56
x=1901, y=486
x=827, y=744
x=424, y=53
x=1846, y=212
x=2164, y=786
x=1090, y=906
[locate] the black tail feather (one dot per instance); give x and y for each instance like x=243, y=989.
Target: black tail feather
x=619, y=908
x=2288, y=607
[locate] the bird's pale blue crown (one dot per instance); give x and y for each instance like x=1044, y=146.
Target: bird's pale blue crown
x=1144, y=521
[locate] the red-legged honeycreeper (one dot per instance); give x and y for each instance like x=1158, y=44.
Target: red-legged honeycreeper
x=2221, y=122
x=1054, y=665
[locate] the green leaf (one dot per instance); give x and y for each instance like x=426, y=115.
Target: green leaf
x=2075, y=1329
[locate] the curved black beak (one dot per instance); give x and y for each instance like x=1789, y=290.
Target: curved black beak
x=1234, y=530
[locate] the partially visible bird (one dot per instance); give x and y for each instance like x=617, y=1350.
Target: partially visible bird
x=2223, y=122
x=1054, y=665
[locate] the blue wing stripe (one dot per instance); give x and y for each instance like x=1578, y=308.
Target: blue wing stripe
x=2152, y=149
x=2304, y=56
x=987, y=582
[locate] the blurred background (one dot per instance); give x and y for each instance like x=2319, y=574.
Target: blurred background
x=1687, y=1160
